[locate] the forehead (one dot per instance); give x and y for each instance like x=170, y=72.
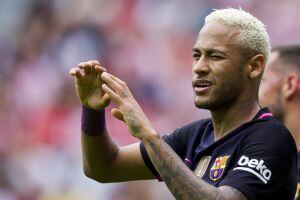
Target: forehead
x=216, y=36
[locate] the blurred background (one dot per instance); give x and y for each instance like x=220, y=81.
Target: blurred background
x=147, y=43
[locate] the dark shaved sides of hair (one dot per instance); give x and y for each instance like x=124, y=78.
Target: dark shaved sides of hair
x=289, y=54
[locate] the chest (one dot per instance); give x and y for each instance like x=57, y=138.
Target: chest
x=213, y=162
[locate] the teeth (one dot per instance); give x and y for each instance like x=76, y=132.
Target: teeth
x=204, y=85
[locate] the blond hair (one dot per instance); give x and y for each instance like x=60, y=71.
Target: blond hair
x=253, y=35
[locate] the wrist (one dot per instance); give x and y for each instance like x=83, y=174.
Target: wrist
x=92, y=121
x=150, y=137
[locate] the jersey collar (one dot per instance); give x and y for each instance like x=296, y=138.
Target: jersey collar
x=263, y=113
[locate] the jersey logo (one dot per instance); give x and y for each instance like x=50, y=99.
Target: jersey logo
x=218, y=167
x=202, y=166
x=256, y=167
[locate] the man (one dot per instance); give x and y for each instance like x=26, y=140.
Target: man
x=280, y=90
x=229, y=156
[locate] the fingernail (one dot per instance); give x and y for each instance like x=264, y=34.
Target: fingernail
x=81, y=64
x=104, y=74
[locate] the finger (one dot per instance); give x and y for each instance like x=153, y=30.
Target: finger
x=111, y=94
x=117, y=114
x=95, y=67
x=119, y=81
x=106, y=99
x=76, y=72
x=85, y=66
x=81, y=65
x=100, y=69
x=89, y=63
x=93, y=62
x=110, y=82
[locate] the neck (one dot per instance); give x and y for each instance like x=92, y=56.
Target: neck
x=291, y=121
x=226, y=120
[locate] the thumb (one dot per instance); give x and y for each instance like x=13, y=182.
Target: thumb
x=106, y=99
x=117, y=114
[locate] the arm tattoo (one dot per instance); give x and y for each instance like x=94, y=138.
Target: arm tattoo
x=232, y=193
x=180, y=179
x=124, y=93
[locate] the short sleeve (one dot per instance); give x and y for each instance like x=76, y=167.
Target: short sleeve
x=266, y=163
x=176, y=140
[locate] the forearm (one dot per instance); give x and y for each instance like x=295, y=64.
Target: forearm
x=98, y=153
x=179, y=178
x=98, y=150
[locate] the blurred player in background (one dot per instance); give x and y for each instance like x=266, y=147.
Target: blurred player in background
x=229, y=156
x=280, y=90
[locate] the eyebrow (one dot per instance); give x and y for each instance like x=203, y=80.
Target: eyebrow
x=211, y=50
x=196, y=50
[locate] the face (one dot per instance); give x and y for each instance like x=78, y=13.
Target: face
x=270, y=87
x=218, y=68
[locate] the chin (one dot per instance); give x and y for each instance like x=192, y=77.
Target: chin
x=202, y=104
x=210, y=104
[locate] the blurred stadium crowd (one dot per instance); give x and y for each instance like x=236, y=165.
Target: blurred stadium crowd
x=147, y=43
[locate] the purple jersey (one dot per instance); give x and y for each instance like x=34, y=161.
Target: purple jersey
x=259, y=158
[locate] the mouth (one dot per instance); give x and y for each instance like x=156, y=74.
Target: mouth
x=201, y=86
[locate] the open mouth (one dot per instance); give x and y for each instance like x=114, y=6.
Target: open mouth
x=201, y=86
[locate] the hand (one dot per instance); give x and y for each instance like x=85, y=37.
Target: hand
x=129, y=110
x=88, y=85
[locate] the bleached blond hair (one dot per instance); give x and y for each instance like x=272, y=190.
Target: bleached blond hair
x=252, y=36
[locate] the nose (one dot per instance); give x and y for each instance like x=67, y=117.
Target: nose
x=201, y=66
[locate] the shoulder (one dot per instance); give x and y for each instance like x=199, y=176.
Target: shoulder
x=270, y=133
x=271, y=127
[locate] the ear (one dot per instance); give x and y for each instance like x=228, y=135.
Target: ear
x=256, y=66
x=291, y=84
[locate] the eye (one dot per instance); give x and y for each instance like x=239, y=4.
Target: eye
x=196, y=56
x=216, y=57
